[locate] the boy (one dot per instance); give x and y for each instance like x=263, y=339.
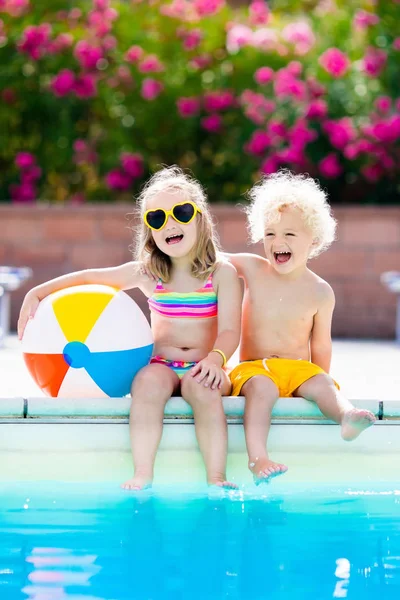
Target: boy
x=287, y=314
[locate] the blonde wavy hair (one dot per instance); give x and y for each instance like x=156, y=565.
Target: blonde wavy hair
x=205, y=252
x=282, y=190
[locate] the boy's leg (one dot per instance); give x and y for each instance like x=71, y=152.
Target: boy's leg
x=261, y=394
x=321, y=389
x=151, y=389
x=211, y=427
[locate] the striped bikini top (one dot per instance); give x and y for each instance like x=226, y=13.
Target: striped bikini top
x=200, y=304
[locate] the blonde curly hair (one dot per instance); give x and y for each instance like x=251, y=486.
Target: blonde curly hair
x=205, y=253
x=282, y=190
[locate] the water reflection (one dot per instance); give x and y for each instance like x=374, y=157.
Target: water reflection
x=199, y=546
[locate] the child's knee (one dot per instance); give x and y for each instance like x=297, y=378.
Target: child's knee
x=260, y=385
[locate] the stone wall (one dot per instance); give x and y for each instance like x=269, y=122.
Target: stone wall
x=58, y=239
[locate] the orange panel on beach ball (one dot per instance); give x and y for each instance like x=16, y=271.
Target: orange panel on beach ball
x=48, y=370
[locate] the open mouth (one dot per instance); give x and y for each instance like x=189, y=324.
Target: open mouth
x=173, y=239
x=282, y=257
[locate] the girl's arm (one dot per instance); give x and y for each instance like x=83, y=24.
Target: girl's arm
x=123, y=277
x=229, y=292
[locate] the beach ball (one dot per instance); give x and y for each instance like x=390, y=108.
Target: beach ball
x=87, y=341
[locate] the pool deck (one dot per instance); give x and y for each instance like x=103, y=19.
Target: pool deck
x=368, y=372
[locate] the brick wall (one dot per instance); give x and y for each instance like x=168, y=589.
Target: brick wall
x=55, y=240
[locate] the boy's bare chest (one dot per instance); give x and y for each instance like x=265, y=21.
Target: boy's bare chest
x=283, y=303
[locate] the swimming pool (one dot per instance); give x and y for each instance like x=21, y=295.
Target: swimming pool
x=329, y=528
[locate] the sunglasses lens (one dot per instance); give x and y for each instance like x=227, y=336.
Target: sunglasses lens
x=183, y=212
x=156, y=219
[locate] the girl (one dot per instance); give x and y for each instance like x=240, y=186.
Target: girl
x=195, y=303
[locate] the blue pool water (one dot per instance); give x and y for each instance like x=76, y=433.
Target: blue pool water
x=95, y=542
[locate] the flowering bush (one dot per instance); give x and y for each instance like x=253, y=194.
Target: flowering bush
x=95, y=97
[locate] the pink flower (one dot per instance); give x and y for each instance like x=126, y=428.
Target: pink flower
x=24, y=193
x=15, y=8
x=125, y=76
x=188, y=107
x=300, y=135
x=151, y=88
x=80, y=146
x=212, y=123
x=300, y=35
x=60, y=43
x=101, y=4
x=335, y=62
x=206, y=8
x=85, y=86
x=364, y=19
x=372, y=172
x=31, y=175
x=330, y=166
x=315, y=88
x=258, y=142
x=263, y=75
x=317, y=109
x=63, y=83
x=396, y=44
x=374, y=61
x=218, y=100
x=87, y=55
x=151, y=64
x=270, y=165
x=277, y=129
x=25, y=160
x=201, y=61
x=132, y=164
x=35, y=40
x=238, y=36
x=383, y=104
x=285, y=85
x=117, y=179
x=109, y=43
x=191, y=38
x=134, y=54
x=259, y=12
x=264, y=39
x=340, y=132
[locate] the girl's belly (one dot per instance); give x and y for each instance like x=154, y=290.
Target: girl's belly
x=183, y=339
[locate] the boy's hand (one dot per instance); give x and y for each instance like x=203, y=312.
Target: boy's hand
x=28, y=310
x=209, y=371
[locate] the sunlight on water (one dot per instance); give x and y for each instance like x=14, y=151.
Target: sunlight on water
x=95, y=542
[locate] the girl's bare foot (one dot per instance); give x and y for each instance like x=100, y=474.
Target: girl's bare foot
x=355, y=421
x=264, y=469
x=137, y=483
x=223, y=483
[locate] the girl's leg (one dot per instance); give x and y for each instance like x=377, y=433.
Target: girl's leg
x=261, y=395
x=322, y=390
x=211, y=427
x=151, y=389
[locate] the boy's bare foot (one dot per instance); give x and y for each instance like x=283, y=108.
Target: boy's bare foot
x=355, y=421
x=264, y=469
x=222, y=483
x=137, y=483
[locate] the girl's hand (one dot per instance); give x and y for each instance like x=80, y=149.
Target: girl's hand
x=209, y=371
x=144, y=272
x=28, y=310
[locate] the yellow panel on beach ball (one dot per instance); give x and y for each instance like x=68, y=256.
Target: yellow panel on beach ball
x=77, y=312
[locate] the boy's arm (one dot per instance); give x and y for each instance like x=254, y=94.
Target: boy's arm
x=243, y=262
x=321, y=341
x=123, y=277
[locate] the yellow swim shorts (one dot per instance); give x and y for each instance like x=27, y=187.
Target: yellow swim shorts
x=287, y=374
